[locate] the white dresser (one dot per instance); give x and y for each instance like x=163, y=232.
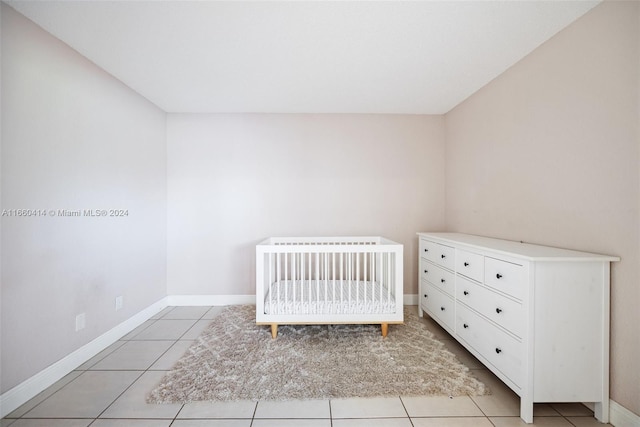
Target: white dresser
x=536, y=316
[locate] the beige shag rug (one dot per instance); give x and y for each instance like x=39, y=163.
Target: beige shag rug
x=234, y=359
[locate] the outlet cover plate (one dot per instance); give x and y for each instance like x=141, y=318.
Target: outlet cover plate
x=81, y=321
x=119, y=302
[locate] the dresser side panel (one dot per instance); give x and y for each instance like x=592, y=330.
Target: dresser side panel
x=569, y=331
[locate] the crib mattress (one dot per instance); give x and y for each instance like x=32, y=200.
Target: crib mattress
x=330, y=297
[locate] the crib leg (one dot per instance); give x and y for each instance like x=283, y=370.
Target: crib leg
x=385, y=329
x=274, y=330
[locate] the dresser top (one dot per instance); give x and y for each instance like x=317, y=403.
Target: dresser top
x=516, y=249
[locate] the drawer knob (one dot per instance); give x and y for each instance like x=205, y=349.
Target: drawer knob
x=442, y=308
x=442, y=280
x=443, y=256
x=465, y=326
x=466, y=264
x=426, y=271
x=426, y=296
x=498, y=350
x=498, y=276
x=466, y=292
x=426, y=250
x=498, y=310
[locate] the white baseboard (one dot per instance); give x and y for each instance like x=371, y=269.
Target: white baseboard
x=20, y=394
x=619, y=416
x=209, y=300
x=411, y=299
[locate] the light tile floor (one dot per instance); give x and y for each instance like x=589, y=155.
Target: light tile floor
x=109, y=391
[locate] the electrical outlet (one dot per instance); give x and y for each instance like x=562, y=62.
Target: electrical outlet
x=80, y=321
x=119, y=302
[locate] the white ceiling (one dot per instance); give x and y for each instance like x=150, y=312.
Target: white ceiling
x=415, y=57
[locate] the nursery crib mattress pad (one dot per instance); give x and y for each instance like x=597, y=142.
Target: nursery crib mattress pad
x=328, y=297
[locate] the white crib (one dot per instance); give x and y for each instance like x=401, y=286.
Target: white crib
x=328, y=280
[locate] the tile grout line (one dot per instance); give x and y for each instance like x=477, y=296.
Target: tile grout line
x=153, y=321
x=175, y=341
x=46, y=398
x=406, y=411
x=119, y=395
x=102, y=358
x=330, y=414
x=478, y=406
x=253, y=416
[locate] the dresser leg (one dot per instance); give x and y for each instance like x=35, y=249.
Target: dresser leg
x=601, y=411
x=526, y=410
x=274, y=330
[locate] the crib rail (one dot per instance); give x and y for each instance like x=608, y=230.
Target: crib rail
x=303, y=280
x=297, y=242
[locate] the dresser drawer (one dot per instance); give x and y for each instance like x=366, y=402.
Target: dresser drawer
x=503, y=351
x=498, y=308
x=437, y=276
x=439, y=254
x=438, y=305
x=504, y=276
x=470, y=265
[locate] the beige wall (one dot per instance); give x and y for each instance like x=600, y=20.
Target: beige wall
x=73, y=137
x=549, y=153
x=234, y=180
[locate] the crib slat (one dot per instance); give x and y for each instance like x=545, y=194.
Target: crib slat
x=350, y=272
x=301, y=276
x=372, y=277
x=317, y=271
x=381, y=278
x=278, y=279
x=342, y=278
x=389, y=277
x=357, y=279
x=317, y=302
x=333, y=297
x=270, y=282
x=364, y=270
x=286, y=288
x=295, y=279
x=326, y=278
